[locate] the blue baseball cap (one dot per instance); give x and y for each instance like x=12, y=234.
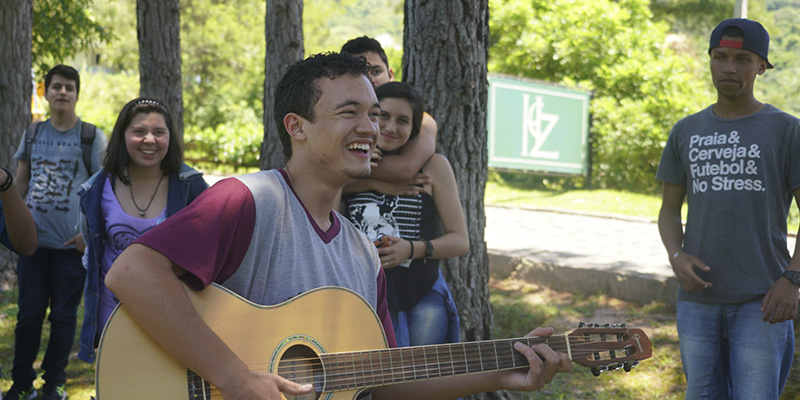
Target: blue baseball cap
x=755, y=37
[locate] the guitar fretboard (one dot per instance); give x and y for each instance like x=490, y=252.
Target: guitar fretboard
x=347, y=371
x=372, y=368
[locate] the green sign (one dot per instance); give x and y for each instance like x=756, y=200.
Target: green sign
x=536, y=127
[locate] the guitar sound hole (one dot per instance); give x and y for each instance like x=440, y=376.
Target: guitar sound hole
x=302, y=365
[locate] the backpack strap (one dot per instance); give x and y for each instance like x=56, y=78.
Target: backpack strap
x=30, y=135
x=87, y=140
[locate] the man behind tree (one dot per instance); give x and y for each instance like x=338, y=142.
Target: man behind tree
x=737, y=163
x=51, y=166
x=399, y=175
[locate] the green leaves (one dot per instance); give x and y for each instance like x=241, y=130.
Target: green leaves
x=61, y=29
x=235, y=142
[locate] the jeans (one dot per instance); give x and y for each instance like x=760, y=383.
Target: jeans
x=433, y=320
x=728, y=352
x=48, y=277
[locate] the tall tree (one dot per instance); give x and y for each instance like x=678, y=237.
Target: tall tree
x=284, y=33
x=16, y=20
x=445, y=56
x=159, y=32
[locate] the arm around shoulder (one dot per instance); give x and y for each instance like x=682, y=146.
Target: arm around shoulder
x=402, y=167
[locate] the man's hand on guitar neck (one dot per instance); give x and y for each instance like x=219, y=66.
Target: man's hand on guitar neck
x=544, y=364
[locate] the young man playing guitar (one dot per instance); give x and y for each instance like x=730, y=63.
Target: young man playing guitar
x=272, y=235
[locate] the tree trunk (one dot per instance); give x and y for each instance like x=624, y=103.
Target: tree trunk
x=159, y=32
x=284, y=35
x=445, y=58
x=16, y=86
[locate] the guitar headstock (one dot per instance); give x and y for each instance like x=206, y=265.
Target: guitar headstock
x=608, y=347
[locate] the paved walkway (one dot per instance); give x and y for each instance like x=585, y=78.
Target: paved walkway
x=570, y=252
x=623, y=258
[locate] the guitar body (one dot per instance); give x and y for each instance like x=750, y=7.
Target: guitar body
x=130, y=365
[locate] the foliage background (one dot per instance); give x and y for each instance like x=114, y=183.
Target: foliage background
x=644, y=61
x=223, y=48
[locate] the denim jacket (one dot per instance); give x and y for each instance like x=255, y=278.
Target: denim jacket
x=184, y=187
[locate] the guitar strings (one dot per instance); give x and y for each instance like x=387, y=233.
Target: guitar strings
x=350, y=380
x=420, y=350
x=341, y=361
x=364, y=377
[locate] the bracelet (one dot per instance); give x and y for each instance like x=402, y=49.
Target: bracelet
x=677, y=253
x=412, y=249
x=428, y=250
x=9, y=180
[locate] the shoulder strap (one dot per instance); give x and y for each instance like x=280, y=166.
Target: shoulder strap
x=30, y=135
x=31, y=132
x=87, y=140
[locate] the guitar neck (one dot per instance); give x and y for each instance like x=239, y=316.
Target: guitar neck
x=354, y=370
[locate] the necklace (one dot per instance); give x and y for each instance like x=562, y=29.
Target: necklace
x=144, y=210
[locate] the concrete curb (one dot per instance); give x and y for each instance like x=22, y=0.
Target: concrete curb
x=635, y=287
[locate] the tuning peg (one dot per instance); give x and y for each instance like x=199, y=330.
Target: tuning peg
x=581, y=324
x=614, y=367
x=629, y=365
x=596, y=371
x=606, y=325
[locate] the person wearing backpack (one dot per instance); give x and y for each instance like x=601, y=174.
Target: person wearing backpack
x=51, y=166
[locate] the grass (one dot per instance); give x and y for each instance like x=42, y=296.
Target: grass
x=517, y=305
x=591, y=201
x=80, y=375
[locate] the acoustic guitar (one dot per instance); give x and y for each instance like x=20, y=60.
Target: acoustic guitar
x=331, y=338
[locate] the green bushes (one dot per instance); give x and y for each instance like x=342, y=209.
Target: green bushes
x=235, y=142
x=103, y=95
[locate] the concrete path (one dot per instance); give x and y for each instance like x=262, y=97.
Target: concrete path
x=623, y=258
